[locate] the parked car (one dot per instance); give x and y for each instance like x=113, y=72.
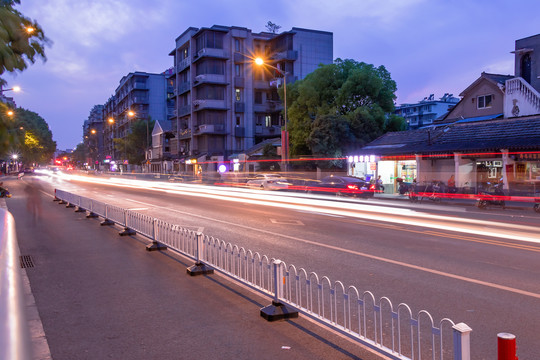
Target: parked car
x=268, y=182
x=343, y=186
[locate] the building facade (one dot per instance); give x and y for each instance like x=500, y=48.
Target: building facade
x=93, y=137
x=139, y=96
x=224, y=103
x=426, y=111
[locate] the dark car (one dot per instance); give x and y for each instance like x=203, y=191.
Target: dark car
x=343, y=186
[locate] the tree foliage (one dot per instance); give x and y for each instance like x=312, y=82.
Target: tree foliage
x=339, y=108
x=134, y=145
x=21, y=39
x=269, y=152
x=271, y=27
x=31, y=137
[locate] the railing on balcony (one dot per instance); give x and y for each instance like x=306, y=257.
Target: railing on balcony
x=183, y=87
x=518, y=87
x=182, y=64
x=286, y=55
x=184, y=110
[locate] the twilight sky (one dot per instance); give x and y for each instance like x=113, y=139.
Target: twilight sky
x=429, y=46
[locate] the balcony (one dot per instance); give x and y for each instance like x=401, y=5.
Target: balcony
x=267, y=131
x=291, y=55
x=184, y=110
x=183, y=64
x=261, y=84
x=184, y=134
x=239, y=107
x=139, y=85
x=183, y=87
x=267, y=107
x=209, y=79
x=140, y=100
x=210, y=129
x=210, y=52
x=209, y=104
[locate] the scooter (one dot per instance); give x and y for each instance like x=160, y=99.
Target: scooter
x=491, y=198
x=4, y=193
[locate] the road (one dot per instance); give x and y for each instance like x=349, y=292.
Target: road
x=472, y=266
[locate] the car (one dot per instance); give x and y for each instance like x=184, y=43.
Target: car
x=268, y=182
x=343, y=186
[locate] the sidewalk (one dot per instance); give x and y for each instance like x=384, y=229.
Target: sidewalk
x=102, y=296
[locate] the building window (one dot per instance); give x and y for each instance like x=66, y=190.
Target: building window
x=237, y=45
x=484, y=101
x=258, y=97
x=238, y=70
x=238, y=94
x=268, y=120
x=238, y=121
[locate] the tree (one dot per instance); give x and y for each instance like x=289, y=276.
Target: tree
x=79, y=154
x=269, y=152
x=354, y=96
x=328, y=134
x=21, y=40
x=30, y=135
x=134, y=145
x=271, y=27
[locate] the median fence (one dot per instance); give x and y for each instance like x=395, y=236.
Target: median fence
x=394, y=331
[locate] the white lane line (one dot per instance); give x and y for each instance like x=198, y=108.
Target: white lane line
x=373, y=257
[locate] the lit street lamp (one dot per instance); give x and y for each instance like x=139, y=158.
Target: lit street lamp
x=14, y=89
x=285, y=135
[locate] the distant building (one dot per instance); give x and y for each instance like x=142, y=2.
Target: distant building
x=224, y=104
x=145, y=96
x=426, y=111
x=93, y=136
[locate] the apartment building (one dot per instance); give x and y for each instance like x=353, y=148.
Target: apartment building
x=139, y=96
x=93, y=136
x=224, y=103
x=427, y=110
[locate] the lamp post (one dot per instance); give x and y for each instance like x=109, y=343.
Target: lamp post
x=285, y=135
x=14, y=89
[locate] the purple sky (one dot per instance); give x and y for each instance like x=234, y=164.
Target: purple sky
x=429, y=46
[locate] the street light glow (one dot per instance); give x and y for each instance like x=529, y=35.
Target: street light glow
x=111, y=120
x=131, y=113
x=93, y=131
x=10, y=113
x=30, y=29
x=259, y=61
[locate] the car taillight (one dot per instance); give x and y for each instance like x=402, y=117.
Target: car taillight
x=372, y=187
x=352, y=187
x=270, y=181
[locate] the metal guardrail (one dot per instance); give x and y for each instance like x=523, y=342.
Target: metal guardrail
x=14, y=332
x=377, y=323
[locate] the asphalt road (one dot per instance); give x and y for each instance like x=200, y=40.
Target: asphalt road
x=432, y=257
x=102, y=296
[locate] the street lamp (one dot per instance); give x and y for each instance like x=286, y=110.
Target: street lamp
x=284, y=141
x=14, y=89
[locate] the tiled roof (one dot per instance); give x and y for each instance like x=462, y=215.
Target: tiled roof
x=512, y=134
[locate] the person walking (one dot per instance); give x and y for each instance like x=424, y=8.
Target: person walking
x=380, y=183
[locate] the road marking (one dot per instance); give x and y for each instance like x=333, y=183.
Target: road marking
x=138, y=209
x=287, y=222
x=358, y=253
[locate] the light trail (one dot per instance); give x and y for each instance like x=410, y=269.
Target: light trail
x=310, y=203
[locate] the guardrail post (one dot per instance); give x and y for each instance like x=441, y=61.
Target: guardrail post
x=155, y=245
x=127, y=230
x=199, y=268
x=277, y=310
x=462, y=341
x=91, y=213
x=78, y=208
x=55, y=197
x=106, y=220
x=506, y=346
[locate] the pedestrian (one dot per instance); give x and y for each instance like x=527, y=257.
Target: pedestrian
x=33, y=200
x=380, y=183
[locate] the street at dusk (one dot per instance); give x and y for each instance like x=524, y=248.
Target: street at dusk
x=328, y=181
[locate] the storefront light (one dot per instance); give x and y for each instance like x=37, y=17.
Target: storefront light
x=355, y=159
x=371, y=158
